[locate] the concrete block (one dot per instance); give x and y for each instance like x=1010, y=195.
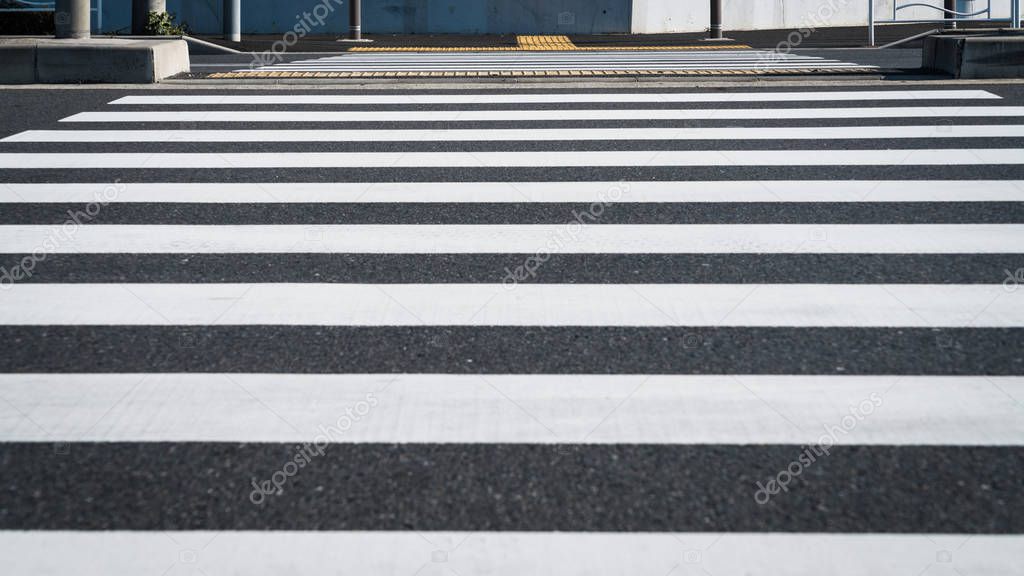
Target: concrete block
x=96, y=60
x=993, y=57
x=170, y=57
x=998, y=55
x=942, y=53
x=17, y=64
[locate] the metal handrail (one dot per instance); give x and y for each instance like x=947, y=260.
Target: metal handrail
x=987, y=10
x=33, y=6
x=1014, y=18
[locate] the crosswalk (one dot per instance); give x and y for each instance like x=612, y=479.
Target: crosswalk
x=556, y=63
x=504, y=332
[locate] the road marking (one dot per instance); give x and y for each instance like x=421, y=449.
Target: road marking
x=582, y=61
x=568, y=68
x=559, y=64
x=560, y=59
x=552, y=115
x=609, y=48
x=557, y=98
x=569, y=238
x=470, y=409
x=626, y=54
x=549, y=159
x=803, y=305
x=390, y=553
x=818, y=68
x=524, y=134
x=516, y=192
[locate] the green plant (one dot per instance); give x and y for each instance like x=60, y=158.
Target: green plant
x=162, y=24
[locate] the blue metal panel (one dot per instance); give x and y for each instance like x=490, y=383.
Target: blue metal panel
x=204, y=16
x=399, y=16
x=117, y=15
x=559, y=16
x=395, y=16
x=457, y=16
x=267, y=16
x=496, y=16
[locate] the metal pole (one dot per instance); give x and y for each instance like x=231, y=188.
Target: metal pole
x=140, y=13
x=1015, y=13
x=715, y=32
x=355, y=17
x=71, y=18
x=871, y=22
x=233, y=20
x=950, y=5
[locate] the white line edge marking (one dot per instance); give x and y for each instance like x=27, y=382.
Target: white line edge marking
x=518, y=192
x=521, y=239
x=470, y=408
x=620, y=305
x=382, y=553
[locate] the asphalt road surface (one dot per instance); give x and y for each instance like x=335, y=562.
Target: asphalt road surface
x=756, y=330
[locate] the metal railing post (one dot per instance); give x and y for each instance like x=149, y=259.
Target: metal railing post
x=871, y=22
x=715, y=31
x=72, y=18
x=355, y=17
x=233, y=20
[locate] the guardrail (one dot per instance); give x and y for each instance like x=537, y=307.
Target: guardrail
x=1014, y=18
x=48, y=6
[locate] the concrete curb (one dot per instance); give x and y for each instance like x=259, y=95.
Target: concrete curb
x=97, y=60
x=976, y=56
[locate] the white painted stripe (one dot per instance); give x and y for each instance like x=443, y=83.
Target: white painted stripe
x=553, y=115
x=520, y=239
x=541, y=54
x=540, y=192
x=404, y=553
x=576, y=54
x=568, y=55
x=739, y=65
x=671, y=64
x=873, y=157
x=570, y=59
x=566, y=60
x=534, y=134
x=469, y=408
x=557, y=98
x=555, y=64
x=874, y=305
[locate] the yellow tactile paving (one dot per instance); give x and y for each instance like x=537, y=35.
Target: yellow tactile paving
x=256, y=74
x=542, y=43
x=540, y=47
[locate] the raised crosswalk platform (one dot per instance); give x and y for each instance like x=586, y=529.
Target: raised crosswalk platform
x=525, y=331
x=550, y=63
